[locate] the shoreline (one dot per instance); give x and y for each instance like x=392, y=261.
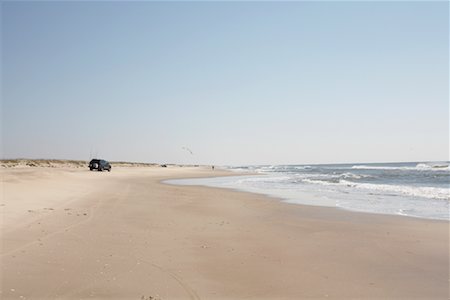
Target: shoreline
x=127, y=234
x=285, y=200
x=299, y=206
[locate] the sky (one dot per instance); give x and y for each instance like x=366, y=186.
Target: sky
x=235, y=82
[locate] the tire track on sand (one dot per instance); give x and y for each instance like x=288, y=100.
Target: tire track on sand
x=190, y=291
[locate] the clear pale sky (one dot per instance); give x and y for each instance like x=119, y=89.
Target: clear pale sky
x=237, y=83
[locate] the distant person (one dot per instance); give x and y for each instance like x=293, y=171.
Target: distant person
x=212, y=167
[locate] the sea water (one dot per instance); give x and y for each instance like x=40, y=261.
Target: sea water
x=410, y=189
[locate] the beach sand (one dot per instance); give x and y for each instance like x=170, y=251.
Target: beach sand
x=71, y=233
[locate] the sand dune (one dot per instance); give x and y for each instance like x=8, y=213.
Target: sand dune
x=61, y=163
x=71, y=233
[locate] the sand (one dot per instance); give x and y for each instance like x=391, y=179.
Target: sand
x=69, y=233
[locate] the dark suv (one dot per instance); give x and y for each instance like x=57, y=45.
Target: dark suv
x=100, y=165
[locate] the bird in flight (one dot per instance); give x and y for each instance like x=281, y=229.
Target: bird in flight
x=188, y=150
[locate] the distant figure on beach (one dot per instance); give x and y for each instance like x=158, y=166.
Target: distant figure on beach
x=212, y=167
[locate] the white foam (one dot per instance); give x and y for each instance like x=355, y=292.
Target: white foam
x=354, y=176
x=418, y=167
x=424, y=192
x=433, y=167
x=303, y=167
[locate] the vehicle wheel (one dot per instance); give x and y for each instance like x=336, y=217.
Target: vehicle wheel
x=90, y=169
x=99, y=169
x=109, y=170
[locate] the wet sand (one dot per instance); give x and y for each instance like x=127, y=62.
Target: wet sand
x=73, y=234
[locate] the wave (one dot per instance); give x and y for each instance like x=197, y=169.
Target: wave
x=303, y=167
x=433, y=166
x=418, y=167
x=353, y=176
x=424, y=192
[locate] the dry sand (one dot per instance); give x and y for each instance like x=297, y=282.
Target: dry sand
x=71, y=233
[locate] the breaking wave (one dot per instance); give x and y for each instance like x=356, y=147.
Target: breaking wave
x=418, y=167
x=424, y=192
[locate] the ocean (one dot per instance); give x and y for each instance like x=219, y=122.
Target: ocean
x=419, y=189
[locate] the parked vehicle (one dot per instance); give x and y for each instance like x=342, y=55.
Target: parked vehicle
x=99, y=165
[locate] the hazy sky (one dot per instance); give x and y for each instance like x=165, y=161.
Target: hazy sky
x=238, y=83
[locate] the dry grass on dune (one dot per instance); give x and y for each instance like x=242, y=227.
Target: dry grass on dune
x=50, y=163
